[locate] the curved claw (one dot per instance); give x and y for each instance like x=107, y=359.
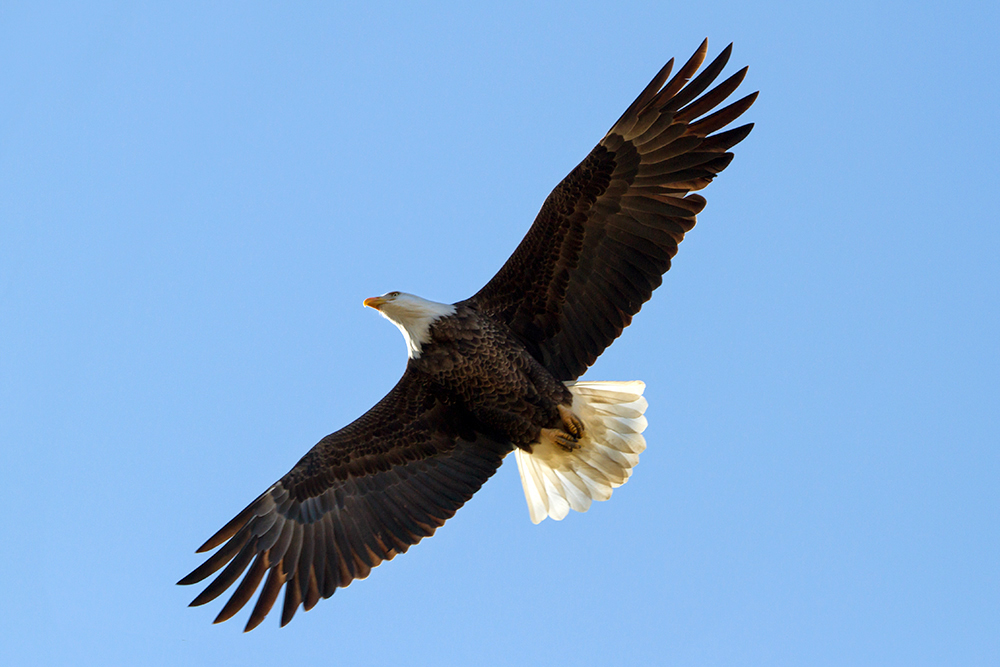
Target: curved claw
x=560, y=438
x=571, y=422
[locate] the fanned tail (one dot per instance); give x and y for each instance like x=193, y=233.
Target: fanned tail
x=556, y=480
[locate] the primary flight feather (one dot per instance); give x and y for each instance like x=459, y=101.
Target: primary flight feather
x=498, y=372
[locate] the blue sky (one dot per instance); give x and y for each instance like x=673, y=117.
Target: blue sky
x=194, y=202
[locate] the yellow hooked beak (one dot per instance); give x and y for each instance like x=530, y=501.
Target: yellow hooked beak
x=374, y=302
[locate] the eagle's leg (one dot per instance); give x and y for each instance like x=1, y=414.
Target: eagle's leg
x=559, y=437
x=571, y=422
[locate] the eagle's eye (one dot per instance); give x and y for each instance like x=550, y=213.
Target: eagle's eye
x=392, y=295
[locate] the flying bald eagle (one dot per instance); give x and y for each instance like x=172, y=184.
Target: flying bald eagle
x=498, y=372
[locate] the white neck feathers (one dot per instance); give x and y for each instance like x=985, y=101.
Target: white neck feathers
x=414, y=317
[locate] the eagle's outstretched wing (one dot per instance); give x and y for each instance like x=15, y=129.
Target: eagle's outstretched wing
x=605, y=236
x=360, y=496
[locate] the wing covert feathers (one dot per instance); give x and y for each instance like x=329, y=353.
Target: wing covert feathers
x=352, y=502
x=606, y=235
x=556, y=481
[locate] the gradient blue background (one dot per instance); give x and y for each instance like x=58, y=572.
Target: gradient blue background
x=194, y=201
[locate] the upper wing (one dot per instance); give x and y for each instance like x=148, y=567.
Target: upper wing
x=360, y=496
x=605, y=236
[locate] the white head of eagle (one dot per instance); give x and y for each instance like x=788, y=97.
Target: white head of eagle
x=412, y=314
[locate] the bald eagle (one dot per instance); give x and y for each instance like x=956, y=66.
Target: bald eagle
x=498, y=372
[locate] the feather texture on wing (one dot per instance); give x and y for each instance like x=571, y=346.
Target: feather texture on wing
x=605, y=236
x=359, y=497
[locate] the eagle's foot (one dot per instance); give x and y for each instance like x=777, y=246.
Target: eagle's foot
x=560, y=438
x=571, y=422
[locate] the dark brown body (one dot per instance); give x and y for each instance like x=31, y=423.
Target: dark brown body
x=488, y=372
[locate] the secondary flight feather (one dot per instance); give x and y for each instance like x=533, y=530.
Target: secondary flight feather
x=498, y=372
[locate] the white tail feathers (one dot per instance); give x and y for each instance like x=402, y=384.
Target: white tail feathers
x=556, y=480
